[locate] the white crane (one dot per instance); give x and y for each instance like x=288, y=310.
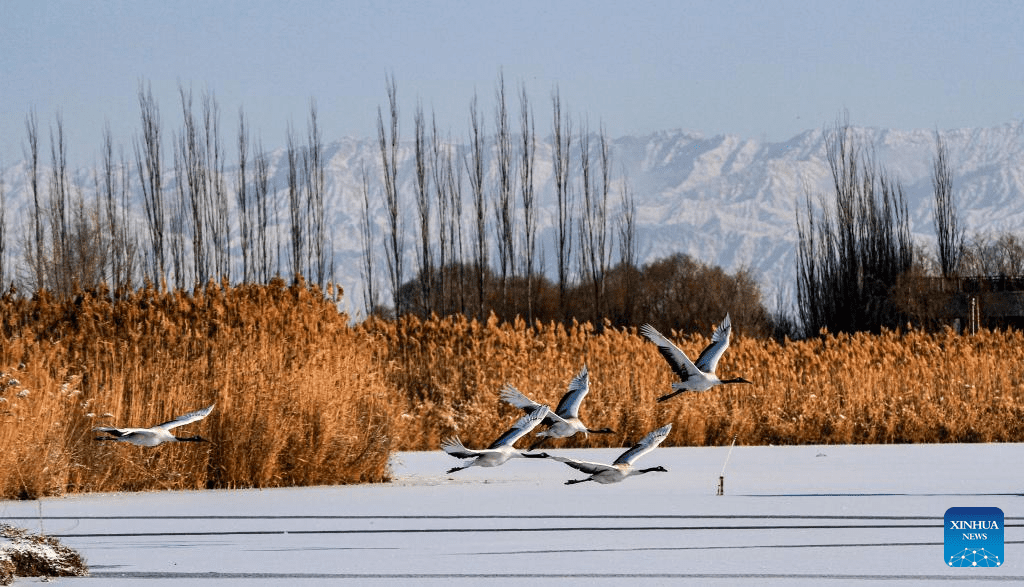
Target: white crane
x=565, y=420
x=158, y=434
x=623, y=466
x=501, y=449
x=699, y=375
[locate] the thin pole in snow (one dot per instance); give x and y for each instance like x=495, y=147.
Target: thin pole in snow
x=721, y=478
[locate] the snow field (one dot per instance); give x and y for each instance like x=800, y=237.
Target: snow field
x=831, y=515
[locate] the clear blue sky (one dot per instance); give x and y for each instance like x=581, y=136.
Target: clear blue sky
x=756, y=69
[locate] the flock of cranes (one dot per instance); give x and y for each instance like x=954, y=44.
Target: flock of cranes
x=562, y=422
x=565, y=421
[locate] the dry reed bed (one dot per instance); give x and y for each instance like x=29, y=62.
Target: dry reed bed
x=896, y=387
x=303, y=398
x=298, y=398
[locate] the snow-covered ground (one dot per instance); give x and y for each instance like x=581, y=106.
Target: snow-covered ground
x=808, y=515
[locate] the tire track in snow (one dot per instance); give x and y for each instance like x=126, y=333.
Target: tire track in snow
x=523, y=529
x=494, y=517
x=565, y=576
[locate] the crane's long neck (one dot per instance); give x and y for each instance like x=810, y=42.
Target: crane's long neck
x=526, y=455
x=190, y=439
x=736, y=380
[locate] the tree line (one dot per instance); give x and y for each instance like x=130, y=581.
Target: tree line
x=197, y=224
x=858, y=268
x=200, y=223
x=470, y=224
x=475, y=229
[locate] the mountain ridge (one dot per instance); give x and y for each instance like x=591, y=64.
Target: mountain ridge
x=724, y=200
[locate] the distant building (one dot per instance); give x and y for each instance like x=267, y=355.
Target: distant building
x=983, y=302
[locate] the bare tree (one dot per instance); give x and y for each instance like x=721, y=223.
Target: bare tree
x=263, y=204
x=366, y=236
x=475, y=169
x=993, y=256
x=627, y=226
x=440, y=155
x=243, y=200
x=148, y=163
x=594, y=218
x=106, y=190
x=448, y=181
x=217, y=208
x=114, y=190
x=850, y=254
x=178, y=223
x=130, y=239
x=560, y=161
x=627, y=250
x=86, y=252
x=504, y=202
x=599, y=224
x=61, y=273
x=585, y=223
x=394, y=245
x=279, y=241
x=296, y=217
x=453, y=177
x=34, y=251
x=202, y=207
x=3, y=231
x=76, y=255
x=947, y=230
x=193, y=198
x=426, y=269
x=527, y=152
x=313, y=165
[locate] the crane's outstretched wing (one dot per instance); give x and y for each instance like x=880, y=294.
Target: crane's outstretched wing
x=708, y=359
x=521, y=427
x=569, y=406
x=517, y=399
x=186, y=418
x=585, y=466
x=454, y=447
x=645, y=446
x=680, y=363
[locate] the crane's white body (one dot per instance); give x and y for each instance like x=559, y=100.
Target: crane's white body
x=623, y=466
x=502, y=449
x=696, y=375
x=156, y=435
x=564, y=421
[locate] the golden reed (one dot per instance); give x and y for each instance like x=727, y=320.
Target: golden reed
x=303, y=398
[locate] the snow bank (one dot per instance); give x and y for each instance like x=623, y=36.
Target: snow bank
x=25, y=554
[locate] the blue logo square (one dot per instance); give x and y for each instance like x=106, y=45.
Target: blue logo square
x=974, y=537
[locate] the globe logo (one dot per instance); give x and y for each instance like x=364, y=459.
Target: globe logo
x=974, y=557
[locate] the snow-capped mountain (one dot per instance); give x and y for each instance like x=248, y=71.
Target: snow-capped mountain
x=724, y=200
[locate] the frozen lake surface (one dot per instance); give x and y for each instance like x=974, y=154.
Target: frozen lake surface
x=808, y=515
